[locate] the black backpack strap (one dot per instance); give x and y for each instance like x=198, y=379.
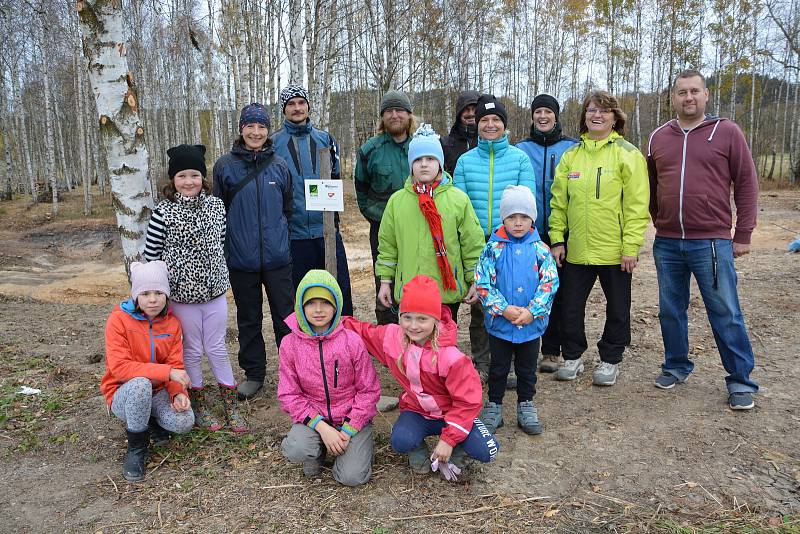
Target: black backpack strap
x=230, y=193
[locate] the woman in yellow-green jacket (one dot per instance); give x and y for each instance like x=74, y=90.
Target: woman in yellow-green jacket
x=599, y=205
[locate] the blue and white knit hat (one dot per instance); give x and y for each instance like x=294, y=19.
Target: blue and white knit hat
x=254, y=113
x=425, y=143
x=291, y=91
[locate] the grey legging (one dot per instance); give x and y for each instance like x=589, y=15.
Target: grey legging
x=134, y=403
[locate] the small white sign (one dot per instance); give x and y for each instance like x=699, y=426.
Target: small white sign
x=324, y=195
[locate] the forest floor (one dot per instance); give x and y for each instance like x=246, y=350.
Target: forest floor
x=630, y=458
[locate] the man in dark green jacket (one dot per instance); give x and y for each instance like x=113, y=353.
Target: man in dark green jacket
x=381, y=169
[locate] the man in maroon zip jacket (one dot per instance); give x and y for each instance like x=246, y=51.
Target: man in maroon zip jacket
x=693, y=160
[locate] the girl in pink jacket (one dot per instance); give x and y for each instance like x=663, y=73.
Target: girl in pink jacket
x=327, y=384
x=442, y=393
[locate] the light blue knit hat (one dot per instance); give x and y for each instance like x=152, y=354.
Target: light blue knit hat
x=425, y=143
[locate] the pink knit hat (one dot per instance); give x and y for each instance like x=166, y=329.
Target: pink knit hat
x=150, y=276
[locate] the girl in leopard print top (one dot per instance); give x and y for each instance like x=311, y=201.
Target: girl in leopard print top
x=187, y=232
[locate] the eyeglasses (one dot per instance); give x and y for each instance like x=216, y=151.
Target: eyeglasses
x=592, y=111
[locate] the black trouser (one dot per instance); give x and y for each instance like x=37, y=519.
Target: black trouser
x=524, y=356
x=249, y=314
x=576, y=284
x=551, y=339
x=309, y=254
x=454, y=310
x=478, y=338
x=383, y=315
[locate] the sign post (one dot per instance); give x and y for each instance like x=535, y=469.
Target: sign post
x=327, y=196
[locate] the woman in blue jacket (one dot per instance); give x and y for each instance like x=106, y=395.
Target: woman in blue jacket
x=256, y=187
x=544, y=147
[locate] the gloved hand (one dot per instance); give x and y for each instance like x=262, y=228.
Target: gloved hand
x=448, y=470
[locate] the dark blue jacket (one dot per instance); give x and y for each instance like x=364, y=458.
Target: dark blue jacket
x=258, y=228
x=544, y=159
x=299, y=145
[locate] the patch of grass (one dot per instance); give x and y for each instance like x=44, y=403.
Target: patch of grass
x=744, y=524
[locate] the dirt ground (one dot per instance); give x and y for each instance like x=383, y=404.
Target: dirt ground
x=630, y=458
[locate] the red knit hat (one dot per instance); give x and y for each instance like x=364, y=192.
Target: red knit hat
x=421, y=295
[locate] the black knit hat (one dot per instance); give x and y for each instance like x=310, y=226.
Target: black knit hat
x=395, y=99
x=546, y=101
x=489, y=105
x=183, y=157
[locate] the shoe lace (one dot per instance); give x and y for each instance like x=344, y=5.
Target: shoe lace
x=606, y=367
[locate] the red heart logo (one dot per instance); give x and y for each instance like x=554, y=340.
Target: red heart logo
x=330, y=195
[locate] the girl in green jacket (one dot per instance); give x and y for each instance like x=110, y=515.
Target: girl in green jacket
x=430, y=228
x=600, y=200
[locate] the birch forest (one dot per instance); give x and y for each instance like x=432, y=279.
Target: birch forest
x=190, y=65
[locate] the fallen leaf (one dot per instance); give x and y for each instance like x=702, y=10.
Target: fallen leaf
x=551, y=513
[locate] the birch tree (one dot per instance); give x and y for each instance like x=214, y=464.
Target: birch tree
x=122, y=135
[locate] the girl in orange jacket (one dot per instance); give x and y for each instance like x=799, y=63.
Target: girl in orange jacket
x=145, y=383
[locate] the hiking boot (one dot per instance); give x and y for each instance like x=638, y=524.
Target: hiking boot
x=135, y=462
x=249, y=388
x=528, y=418
x=312, y=468
x=420, y=459
x=459, y=457
x=511, y=380
x=492, y=416
x=549, y=363
x=570, y=370
x=667, y=381
x=234, y=419
x=741, y=400
x=203, y=417
x=159, y=437
x=605, y=374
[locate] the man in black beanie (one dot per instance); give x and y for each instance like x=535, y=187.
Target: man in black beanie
x=464, y=132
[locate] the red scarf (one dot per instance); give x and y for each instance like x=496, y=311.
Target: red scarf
x=428, y=208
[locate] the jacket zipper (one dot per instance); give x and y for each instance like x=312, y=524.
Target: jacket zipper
x=544, y=188
x=491, y=184
x=597, y=187
x=325, y=382
x=260, y=235
x=152, y=342
x=545, y=224
x=683, y=174
x=336, y=374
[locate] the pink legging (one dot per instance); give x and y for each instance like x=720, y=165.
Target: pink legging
x=204, y=327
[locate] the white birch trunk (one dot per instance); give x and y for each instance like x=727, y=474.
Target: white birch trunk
x=50, y=173
x=117, y=106
x=296, y=33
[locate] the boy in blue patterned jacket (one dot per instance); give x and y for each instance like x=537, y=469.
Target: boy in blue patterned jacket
x=516, y=279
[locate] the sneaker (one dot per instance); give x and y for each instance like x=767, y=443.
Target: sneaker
x=420, y=460
x=528, y=418
x=248, y=389
x=741, y=400
x=570, y=370
x=667, y=381
x=492, y=416
x=549, y=363
x=312, y=468
x=605, y=374
x=511, y=380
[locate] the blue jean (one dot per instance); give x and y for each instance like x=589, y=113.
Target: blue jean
x=411, y=429
x=711, y=263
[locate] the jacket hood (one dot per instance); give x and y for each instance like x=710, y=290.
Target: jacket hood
x=448, y=329
x=129, y=307
x=446, y=183
x=240, y=150
x=592, y=146
x=497, y=145
x=298, y=129
x=709, y=124
x=469, y=131
x=316, y=278
x=502, y=235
